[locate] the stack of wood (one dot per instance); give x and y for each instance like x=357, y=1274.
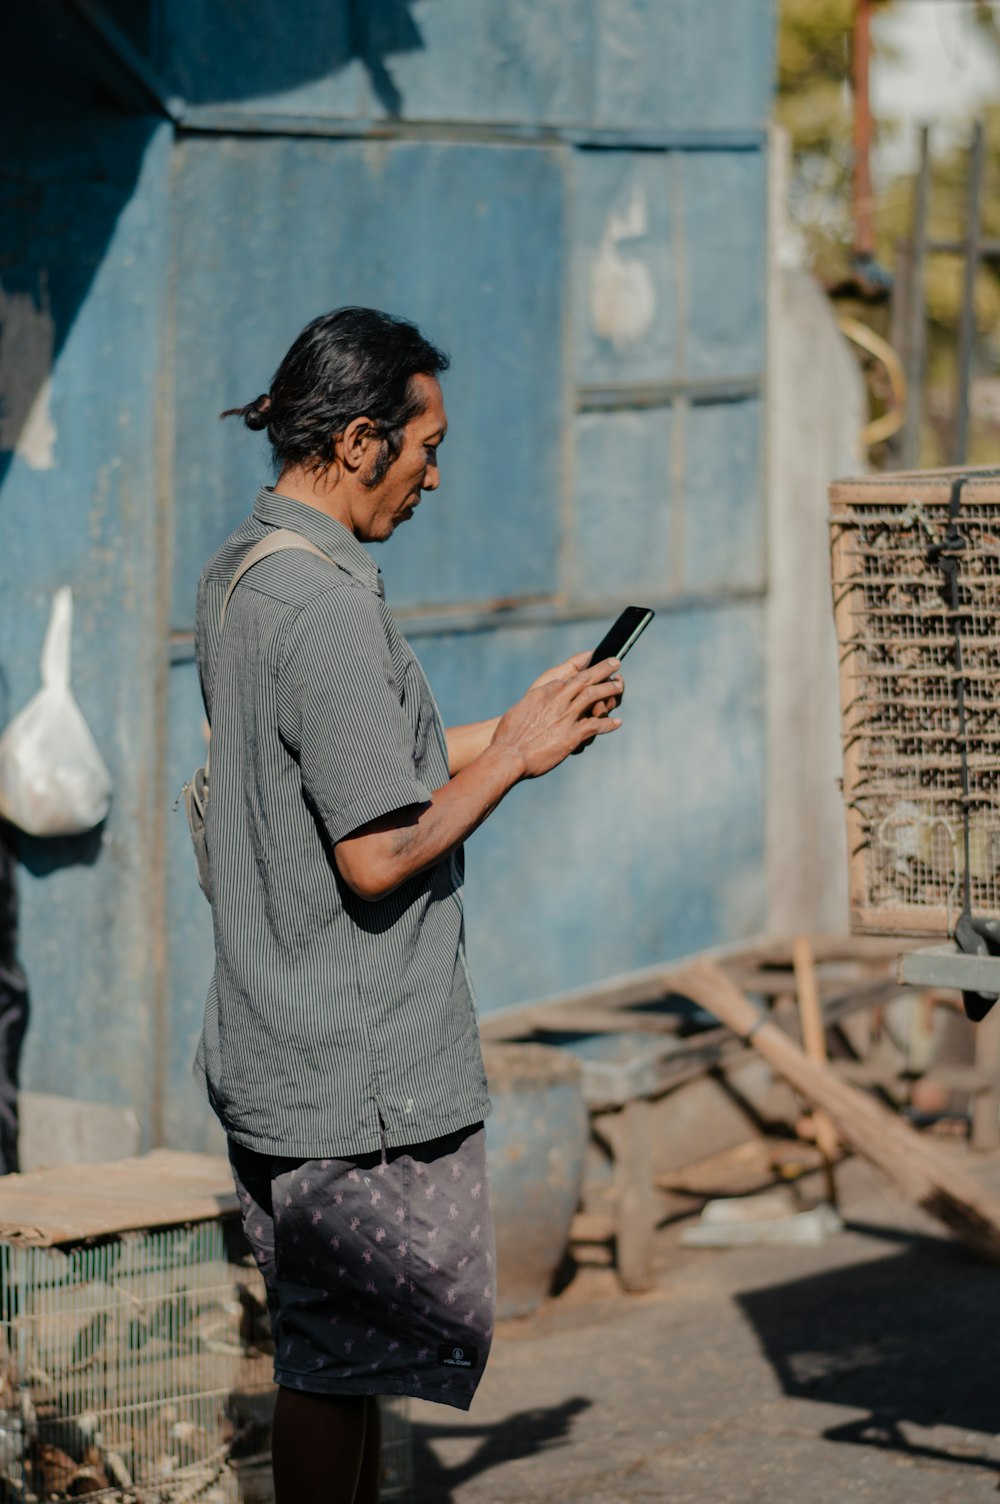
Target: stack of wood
x=775, y=1001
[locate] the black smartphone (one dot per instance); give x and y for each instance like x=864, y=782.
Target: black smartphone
x=627, y=630
x=615, y=643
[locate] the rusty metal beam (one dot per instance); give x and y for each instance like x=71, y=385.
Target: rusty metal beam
x=916, y=344
x=864, y=229
x=602, y=399
x=227, y=120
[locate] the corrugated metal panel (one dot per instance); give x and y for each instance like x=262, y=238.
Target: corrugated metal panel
x=78, y=508
x=467, y=240
x=625, y=295
x=696, y=64
x=618, y=64
x=724, y=526
x=625, y=506
x=300, y=58
x=496, y=60
x=725, y=251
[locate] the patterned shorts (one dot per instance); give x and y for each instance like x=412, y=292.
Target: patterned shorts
x=379, y=1269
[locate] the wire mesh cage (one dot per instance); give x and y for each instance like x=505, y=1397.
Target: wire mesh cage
x=137, y=1367
x=919, y=671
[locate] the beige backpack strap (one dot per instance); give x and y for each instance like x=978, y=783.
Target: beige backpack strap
x=275, y=543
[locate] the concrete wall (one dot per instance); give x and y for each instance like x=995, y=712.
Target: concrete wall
x=817, y=408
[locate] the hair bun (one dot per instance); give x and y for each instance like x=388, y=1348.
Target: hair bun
x=256, y=413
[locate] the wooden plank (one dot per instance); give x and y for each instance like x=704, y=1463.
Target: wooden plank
x=746, y=1167
x=592, y=1227
x=814, y=1043
x=891, y=1076
x=73, y=1203
x=607, y=1020
x=630, y=1134
x=885, y=1073
x=946, y=966
x=777, y=950
x=986, y=1108
x=654, y=983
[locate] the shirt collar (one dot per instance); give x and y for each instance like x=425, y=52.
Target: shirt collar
x=327, y=533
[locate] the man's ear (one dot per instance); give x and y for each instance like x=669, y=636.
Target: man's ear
x=355, y=443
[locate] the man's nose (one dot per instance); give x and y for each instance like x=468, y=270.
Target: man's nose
x=432, y=478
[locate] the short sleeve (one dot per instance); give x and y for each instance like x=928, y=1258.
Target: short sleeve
x=340, y=708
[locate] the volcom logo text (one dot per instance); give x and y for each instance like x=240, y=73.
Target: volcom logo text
x=456, y=1355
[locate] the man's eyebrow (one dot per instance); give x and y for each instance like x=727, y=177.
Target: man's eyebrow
x=439, y=433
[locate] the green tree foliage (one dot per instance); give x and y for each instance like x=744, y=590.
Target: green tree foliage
x=947, y=219
x=815, y=105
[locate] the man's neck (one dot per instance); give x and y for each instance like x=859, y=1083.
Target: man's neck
x=329, y=495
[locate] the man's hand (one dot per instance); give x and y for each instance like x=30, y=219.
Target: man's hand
x=575, y=664
x=466, y=743
x=559, y=713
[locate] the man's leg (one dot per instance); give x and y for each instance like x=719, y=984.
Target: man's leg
x=318, y=1448
x=371, y=1461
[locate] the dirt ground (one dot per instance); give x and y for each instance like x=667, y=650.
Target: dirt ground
x=861, y=1369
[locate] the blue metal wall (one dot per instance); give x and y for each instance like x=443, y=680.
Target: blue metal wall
x=571, y=198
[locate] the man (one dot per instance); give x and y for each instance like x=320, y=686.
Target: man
x=340, y=1045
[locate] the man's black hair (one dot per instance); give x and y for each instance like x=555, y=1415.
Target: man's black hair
x=350, y=363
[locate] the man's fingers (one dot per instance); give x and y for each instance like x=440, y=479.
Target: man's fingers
x=591, y=726
x=591, y=695
x=603, y=670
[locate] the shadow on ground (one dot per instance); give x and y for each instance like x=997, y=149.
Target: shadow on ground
x=522, y=1435
x=911, y=1339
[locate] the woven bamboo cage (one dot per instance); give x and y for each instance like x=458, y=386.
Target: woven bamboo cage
x=135, y=1366
x=899, y=671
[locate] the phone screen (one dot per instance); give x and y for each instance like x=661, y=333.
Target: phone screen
x=627, y=630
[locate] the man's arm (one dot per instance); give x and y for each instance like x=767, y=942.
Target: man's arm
x=534, y=736
x=466, y=743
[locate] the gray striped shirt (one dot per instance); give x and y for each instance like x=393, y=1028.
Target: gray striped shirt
x=329, y=1019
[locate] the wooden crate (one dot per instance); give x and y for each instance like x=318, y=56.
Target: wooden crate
x=902, y=750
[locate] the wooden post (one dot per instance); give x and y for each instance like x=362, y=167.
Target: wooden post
x=635, y=1197
x=917, y=342
x=967, y=325
x=814, y=1042
x=899, y=332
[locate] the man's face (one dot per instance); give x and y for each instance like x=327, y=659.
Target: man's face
x=393, y=500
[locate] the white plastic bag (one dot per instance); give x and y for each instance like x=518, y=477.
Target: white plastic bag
x=53, y=780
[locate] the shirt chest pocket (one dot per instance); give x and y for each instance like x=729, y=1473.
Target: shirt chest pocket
x=429, y=747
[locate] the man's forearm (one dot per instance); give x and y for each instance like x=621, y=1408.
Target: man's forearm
x=466, y=743
x=377, y=859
